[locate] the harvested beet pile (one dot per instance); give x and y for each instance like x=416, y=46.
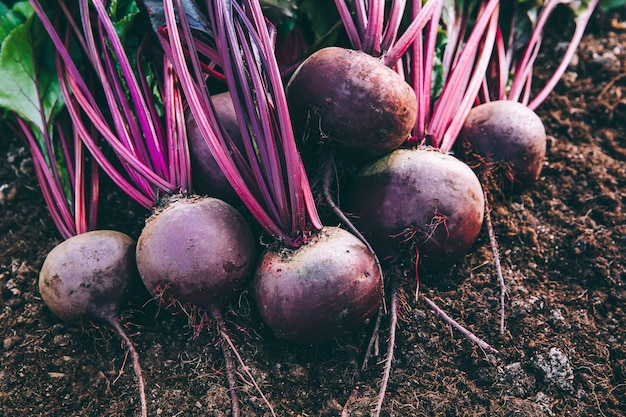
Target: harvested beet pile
x=563, y=246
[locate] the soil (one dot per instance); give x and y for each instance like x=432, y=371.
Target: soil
x=563, y=253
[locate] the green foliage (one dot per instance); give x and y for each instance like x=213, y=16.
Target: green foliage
x=321, y=22
x=322, y=15
x=281, y=12
x=29, y=86
x=438, y=69
x=13, y=17
x=122, y=14
x=611, y=4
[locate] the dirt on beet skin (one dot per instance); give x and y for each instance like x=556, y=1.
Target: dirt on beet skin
x=563, y=253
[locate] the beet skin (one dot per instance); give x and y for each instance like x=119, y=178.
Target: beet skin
x=196, y=251
x=208, y=178
x=418, y=199
x=330, y=285
x=351, y=100
x=86, y=277
x=509, y=133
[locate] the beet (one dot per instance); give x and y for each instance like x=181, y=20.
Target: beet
x=197, y=251
x=418, y=199
x=208, y=178
x=195, y=255
x=330, y=285
x=86, y=277
x=353, y=101
x=506, y=133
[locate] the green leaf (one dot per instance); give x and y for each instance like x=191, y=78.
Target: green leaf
x=29, y=86
x=14, y=17
x=322, y=15
x=611, y=4
x=280, y=12
x=122, y=13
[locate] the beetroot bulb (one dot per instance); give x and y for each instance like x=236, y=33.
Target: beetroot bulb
x=508, y=138
x=196, y=252
x=350, y=100
x=418, y=199
x=87, y=277
x=354, y=100
x=330, y=285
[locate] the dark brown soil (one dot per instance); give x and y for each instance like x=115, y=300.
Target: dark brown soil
x=563, y=245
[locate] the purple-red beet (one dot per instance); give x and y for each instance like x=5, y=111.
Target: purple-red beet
x=418, y=199
x=86, y=278
x=352, y=100
x=330, y=285
x=196, y=251
x=508, y=133
x=207, y=176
